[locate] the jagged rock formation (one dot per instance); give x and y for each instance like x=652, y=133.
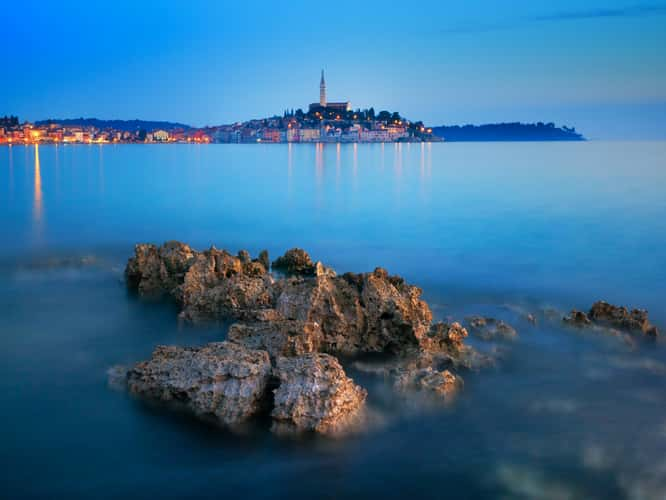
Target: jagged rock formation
x=603, y=314
x=222, y=379
x=491, y=328
x=369, y=312
x=315, y=395
x=294, y=322
x=232, y=383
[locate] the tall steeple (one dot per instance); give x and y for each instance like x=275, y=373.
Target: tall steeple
x=322, y=91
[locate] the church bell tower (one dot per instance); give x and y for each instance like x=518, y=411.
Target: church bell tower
x=322, y=91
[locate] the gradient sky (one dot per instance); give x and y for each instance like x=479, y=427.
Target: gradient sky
x=600, y=66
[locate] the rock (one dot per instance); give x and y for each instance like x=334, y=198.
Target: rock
x=156, y=271
x=442, y=383
x=634, y=321
x=244, y=256
x=264, y=260
x=577, y=318
x=491, y=328
x=369, y=312
x=315, y=395
x=281, y=337
x=222, y=379
x=444, y=337
x=295, y=261
x=309, y=311
x=614, y=318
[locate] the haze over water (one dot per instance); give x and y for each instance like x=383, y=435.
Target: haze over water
x=499, y=229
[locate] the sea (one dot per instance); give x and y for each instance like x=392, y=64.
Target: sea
x=495, y=229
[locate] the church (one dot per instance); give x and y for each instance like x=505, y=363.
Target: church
x=323, y=105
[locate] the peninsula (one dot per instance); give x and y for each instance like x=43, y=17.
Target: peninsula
x=324, y=121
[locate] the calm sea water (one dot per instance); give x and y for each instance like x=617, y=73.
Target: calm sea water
x=497, y=229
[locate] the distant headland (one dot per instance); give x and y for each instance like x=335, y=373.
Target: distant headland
x=507, y=132
x=324, y=121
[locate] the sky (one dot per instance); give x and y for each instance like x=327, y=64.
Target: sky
x=598, y=66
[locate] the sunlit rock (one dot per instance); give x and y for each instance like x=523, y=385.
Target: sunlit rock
x=223, y=380
x=614, y=318
x=315, y=394
x=295, y=261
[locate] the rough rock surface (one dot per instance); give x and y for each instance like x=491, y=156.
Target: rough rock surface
x=309, y=311
x=222, y=379
x=295, y=261
x=281, y=337
x=491, y=328
x=155, y=271
x=369, y=312
x=603, y=314
x=315, y=395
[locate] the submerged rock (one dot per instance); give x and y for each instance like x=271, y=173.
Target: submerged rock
x=444, y=337
x=440, y=382
x=634, y=321
x=603, y=314
x=491, y=328
x=577, y=318
x=315, y=394
x=222, y=379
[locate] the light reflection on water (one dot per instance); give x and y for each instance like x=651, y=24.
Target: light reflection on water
x=493, y=229
x=37, y=196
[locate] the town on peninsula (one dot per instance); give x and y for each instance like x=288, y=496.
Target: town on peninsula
x=324, y=121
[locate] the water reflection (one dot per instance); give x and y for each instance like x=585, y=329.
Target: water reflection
x=101, y=169
x=290, y=167
x=11, y=172
x=319, y=161
x=37, y=206
x=338, y=163
x=355, y=168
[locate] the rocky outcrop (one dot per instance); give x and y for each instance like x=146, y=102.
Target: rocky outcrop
x=231, y=383
x=491, y=328
x=295, y=261
x=603, y=314
x=314, y=394
x=224, y=380
x=297, y=319
x=369, y=312
x=156, y=271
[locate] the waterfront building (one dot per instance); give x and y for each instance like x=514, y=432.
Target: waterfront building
x=270, y=135
x=293, y=135
x=309, y=134
x=160, y=136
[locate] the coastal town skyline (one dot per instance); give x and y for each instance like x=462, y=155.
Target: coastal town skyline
x=598, y=67
x=324, y=121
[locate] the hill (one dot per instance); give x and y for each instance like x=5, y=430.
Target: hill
x=507, y=132
x=124, y=125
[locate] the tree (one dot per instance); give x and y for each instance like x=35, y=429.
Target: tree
x=384, y=116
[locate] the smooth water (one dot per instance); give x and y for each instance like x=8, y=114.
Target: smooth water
x=497, y=229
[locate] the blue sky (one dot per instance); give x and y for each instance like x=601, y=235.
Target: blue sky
x=600, y=66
